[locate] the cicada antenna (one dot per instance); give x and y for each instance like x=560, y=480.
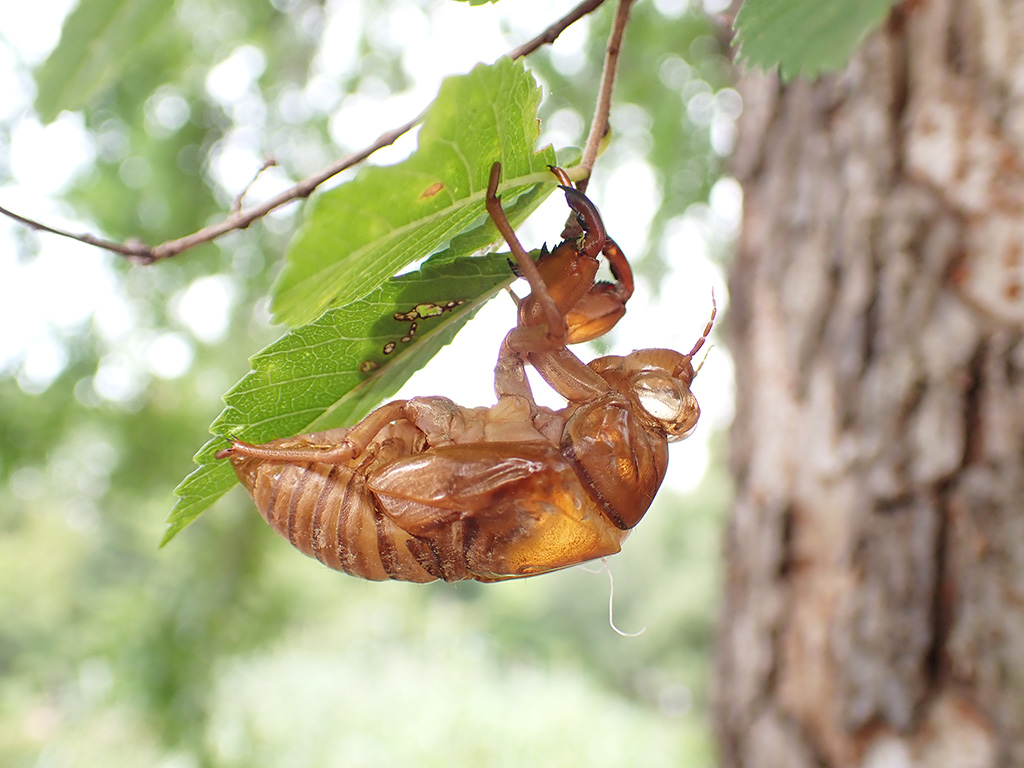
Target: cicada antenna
x=703, y=360
x=707, y=330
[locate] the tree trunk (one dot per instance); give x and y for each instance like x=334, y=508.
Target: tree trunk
x=874, y=601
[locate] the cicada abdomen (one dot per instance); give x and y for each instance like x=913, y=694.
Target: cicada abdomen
x=327, y=511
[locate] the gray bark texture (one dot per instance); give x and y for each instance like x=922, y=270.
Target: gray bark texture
x=874, y=590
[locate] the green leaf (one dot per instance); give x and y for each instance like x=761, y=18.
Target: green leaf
x=364, y=231
x=805, y=37
x=335, y=370
x=96, y=46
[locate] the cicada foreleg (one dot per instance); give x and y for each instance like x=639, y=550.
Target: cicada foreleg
x=553, y=332
x=536, y=344
x=601, y=304
x=604, y=304
x=510, y=373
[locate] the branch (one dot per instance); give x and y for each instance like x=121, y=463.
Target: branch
x=303, y=189
x=133, y=250
x=240, y=219
x=599, y=128
x=551, y=34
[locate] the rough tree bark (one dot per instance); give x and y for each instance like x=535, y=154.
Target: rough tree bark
x=874, y=606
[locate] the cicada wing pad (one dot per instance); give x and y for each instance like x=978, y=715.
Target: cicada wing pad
x=618, y=458
x=519, y=508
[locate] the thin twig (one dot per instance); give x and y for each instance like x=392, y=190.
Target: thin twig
x=240, y=219
x=551, y=34
x=144, y=254
x=236, y=206
x=599, y=127
x=303, y=189
x=133, y=250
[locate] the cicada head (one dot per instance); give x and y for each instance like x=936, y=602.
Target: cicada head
x=657, y=382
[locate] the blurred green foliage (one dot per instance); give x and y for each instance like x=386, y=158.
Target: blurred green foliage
x=805, y=38
x=228, y=648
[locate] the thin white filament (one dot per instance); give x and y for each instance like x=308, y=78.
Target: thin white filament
x=611, y=600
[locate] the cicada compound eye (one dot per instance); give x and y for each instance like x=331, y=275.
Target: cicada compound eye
x=668, y=401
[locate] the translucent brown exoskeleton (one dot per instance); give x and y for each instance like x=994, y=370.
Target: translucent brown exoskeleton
x=425, y=489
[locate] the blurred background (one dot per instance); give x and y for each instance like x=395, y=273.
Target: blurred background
x=228, y=648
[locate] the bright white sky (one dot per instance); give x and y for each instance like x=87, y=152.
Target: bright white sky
x=70, y=284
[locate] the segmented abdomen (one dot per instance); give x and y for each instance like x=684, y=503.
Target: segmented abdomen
x=327, y=512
